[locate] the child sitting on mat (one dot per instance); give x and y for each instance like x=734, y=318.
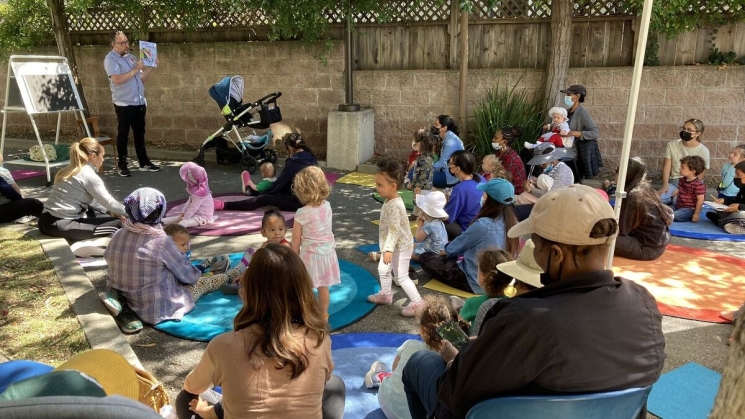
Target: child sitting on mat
x=273, y=229
x=689, y=197
x=199, y=209
x=493, y=281
x=391, y=394
x=431, y=235
x=727, y=187
x=312, y=237
x=269, y=174
x=395, y=240
x=732, y=218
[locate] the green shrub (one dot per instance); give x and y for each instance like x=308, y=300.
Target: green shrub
x=503, y=107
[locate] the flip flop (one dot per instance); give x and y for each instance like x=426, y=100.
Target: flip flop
x=374, y=256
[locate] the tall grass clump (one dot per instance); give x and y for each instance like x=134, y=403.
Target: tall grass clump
x=503, y=107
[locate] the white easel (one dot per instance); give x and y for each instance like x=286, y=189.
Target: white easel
x=40, y=84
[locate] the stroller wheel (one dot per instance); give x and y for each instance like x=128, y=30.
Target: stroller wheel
x=249, y=164
x=271, y=155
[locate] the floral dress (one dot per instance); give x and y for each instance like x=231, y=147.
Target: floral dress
x=317, y=244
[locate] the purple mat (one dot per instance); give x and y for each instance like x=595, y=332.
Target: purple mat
x=229, y=223
x=20, y=174
x=331, y=177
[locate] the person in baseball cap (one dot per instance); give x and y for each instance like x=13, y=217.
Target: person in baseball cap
x=584, y=331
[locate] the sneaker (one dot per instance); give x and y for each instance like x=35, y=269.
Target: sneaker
x=456, y=302
x=28, y=218
x=149, y=168
x=220, y=264
x=245, y=181
x=128, y=321
x=381, y=299
x=111, y=300
x=124, y=172
x=412, y=309
x=372, y=378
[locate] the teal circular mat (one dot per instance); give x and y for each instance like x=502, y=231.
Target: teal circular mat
x=214, y=312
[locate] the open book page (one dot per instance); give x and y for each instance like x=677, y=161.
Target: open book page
x=148, y=53
x=714, y=205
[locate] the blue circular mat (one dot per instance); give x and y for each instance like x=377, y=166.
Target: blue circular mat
x=353, y=353
x=704, y=230
x=214, y=312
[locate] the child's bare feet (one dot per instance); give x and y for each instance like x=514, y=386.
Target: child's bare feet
x=202, y=408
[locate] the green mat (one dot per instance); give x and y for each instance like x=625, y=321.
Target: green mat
x=405, y=194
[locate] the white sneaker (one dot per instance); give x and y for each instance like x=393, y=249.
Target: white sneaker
x=372, y=378
x=25, y=219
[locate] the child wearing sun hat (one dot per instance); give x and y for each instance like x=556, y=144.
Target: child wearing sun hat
x=431, y=235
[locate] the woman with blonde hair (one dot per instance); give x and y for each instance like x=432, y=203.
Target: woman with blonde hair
x=80, y=207
x=276, y=363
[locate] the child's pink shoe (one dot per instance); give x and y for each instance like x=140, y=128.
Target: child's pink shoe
x=219, y=205
x=380, y=298
x=245, y=181
x=412, y=309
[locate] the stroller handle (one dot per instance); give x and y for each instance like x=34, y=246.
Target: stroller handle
x=271, y=97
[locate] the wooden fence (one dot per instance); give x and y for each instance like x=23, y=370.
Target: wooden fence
x=424, y=35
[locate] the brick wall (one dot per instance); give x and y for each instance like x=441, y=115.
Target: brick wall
x=181, y=111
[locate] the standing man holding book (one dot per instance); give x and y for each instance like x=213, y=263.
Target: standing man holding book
x=126, y=77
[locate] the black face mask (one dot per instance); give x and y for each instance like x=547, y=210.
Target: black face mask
x=686, y=136
x=737, y=182
x=434, y=130
x=546, y=277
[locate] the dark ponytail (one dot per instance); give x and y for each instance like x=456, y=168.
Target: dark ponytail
x=448, y=122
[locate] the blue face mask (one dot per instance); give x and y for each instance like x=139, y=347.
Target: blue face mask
x=568, y=101
x=548, y=169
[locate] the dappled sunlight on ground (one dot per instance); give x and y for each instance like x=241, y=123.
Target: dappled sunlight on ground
x=690, y=278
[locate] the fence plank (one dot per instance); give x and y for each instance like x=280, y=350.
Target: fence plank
x=739, y=44
x=579, y=43
x=685, y=49
x=513, y=45
x=725, y=40
x=614, y=42
x=628, y=52
x=595, y=46
x=703, y=44
x=544, y=40
x=529, y=42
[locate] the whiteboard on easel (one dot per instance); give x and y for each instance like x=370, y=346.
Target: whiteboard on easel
x=44, y=87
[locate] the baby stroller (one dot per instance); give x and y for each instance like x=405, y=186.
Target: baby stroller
x=249, y=150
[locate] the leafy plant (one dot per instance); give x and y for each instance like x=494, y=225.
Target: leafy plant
x=717, y=57
x=503, y=107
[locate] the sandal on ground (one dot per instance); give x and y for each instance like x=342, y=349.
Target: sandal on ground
x=374, y=256
x=727, y=315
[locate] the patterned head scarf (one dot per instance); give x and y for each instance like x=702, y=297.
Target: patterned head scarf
x=143, y=202
x=196, y=179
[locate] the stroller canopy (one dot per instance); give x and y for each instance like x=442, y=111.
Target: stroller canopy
x=228, y=93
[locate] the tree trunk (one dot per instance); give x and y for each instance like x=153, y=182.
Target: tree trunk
x=64, y=45
x=559, y=52
x=730, y=402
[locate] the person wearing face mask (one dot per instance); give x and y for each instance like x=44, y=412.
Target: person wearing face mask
x=548, y=159
x=126, y=78
x=689, y=144
x=445, y=129
x=585, y=153
x=464, y=201
x=511, y=161
x=584, y=331
x=732, y=218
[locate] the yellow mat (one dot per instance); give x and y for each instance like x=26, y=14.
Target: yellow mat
x=438, y=286
x=412, y=225
x=357, y=178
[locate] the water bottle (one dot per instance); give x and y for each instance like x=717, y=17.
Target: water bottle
x=168, y=412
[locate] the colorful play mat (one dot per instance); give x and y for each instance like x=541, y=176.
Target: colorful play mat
x=704, y=230
x=689, y=283
x=214, y=312
x=229, y=223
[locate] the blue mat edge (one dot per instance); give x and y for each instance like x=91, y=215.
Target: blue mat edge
x=370, y=340
x=367, y=288
x=653, y=405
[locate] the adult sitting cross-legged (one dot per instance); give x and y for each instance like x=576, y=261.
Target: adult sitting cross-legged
x=585, y=331
x=279, y=194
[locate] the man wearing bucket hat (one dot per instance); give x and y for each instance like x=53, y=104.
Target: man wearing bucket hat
x=585, y=331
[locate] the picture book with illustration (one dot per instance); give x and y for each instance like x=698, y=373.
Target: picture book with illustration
x=148, y=53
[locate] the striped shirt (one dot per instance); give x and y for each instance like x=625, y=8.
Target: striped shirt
x=150, y=271
x=688, y=192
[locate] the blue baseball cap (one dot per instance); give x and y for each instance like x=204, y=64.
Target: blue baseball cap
x=499, y=190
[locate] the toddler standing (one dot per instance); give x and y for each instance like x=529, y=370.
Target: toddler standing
x=689, y=197
x=557, y=130
x=199, y=209
x=431, y=235
x=312, y=237
x=727, y=187
x=395, y=240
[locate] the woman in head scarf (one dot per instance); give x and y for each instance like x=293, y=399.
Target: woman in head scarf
x=150, y=273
